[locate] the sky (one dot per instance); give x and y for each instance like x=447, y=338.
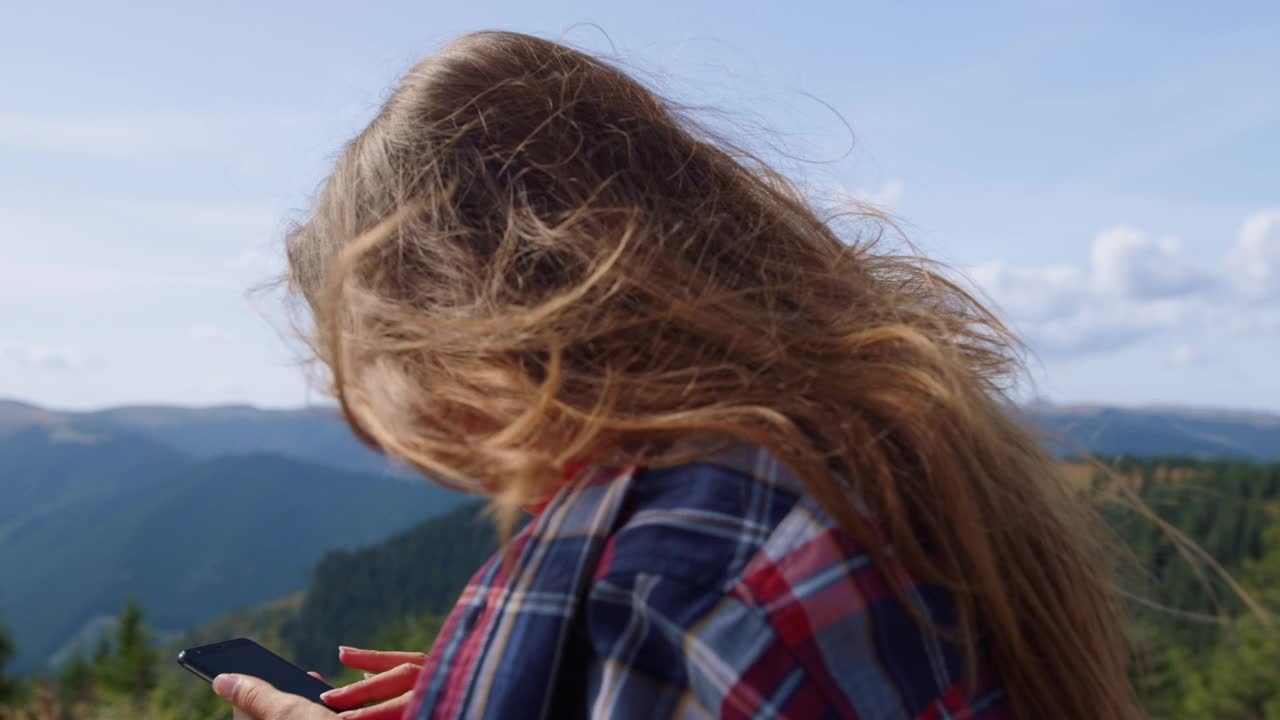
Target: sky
x=1107, y=175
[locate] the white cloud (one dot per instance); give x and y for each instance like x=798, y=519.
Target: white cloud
x=1249, y=319
x=1100, y=327
x=35, y=281
x=46, y=357
x=1032, y=293
x=133, y=134
x=888, y=196
x=120, y=245
x=836, y=195
x=1136, y=286
x=261, y=262
x=1254, y=262
x=1184, y=354
x=1128, y=263
x=204, y=333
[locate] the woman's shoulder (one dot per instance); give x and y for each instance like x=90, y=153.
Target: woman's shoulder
x=715, y=586
x=700, y=521
x=729, y=554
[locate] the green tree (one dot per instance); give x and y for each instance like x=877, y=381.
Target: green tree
x=102, y=653
x=1242, y=677
x=1163, y=669
x=77, y=678
x=131, y=668
x=8, y=687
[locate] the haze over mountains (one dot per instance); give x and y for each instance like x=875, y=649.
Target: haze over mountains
x=1160, y=431
x=314, y=435
x=199, y=511
x=194, y=511
x=318, y=435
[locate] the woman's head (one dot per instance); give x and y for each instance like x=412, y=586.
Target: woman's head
x=529, y=257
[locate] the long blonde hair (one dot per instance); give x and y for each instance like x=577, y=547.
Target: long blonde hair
x=528, y=257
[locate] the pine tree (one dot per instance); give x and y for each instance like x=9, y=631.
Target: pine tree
x=8, y=687
x=131, y=669
x=1241, y=679
x=77, y=678
x=102, y=653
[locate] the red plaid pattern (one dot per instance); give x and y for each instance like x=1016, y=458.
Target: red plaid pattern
x=713, y=589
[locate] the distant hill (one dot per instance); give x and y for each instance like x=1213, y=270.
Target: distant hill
x=260, y=622
x=93, y=516
x=354, y=595
x=45, y=471
x=1160, y=431
x=203, y=510
x=319, y=435
x=315, y=435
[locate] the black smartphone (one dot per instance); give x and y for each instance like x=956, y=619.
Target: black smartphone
x=246, y=657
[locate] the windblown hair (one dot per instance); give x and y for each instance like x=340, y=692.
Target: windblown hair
x=529, y=257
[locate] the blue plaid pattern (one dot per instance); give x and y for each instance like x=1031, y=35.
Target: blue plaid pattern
x=711, y=589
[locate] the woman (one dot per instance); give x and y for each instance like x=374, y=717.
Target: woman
x=773, y=473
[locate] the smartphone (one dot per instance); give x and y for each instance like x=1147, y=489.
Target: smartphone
x=246, y=657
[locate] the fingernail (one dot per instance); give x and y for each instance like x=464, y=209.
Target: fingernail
x=344, y=647
x=328, y=693
x=368, y=675
x=225, y=685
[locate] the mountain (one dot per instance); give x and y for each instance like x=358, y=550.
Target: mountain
x=354, y=595
x=367, y=597
x=1159, y=431
x=392, y=595
x=315, y=435
x=319, y=435
x=98, y=515
x=44, y=470
x=199, y=511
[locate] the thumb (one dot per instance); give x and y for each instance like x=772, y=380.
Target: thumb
x=227, y=685
x=235, y=689
x=257, y=698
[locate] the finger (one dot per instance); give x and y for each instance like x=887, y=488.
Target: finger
x=377, y=660
x=382, y=686
x=389, y=710
x=316, y=675
x=258, y=700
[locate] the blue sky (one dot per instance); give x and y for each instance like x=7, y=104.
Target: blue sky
x=1108, y=176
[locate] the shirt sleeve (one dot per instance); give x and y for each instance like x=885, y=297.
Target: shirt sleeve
x=665, y=647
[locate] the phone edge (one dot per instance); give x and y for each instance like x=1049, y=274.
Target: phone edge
x=182, y=660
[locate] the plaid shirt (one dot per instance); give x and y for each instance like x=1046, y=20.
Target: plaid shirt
x=712, y=589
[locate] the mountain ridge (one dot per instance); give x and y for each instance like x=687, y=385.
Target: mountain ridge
x=318, y=433
x=110, y=496
x=1205, y=412
x=192, y=537
x=309, y=434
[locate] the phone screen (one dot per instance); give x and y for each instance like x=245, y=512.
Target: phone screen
x=246, y=657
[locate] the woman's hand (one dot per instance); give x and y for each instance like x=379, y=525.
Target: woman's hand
x=256, y=699
x=391, y=685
